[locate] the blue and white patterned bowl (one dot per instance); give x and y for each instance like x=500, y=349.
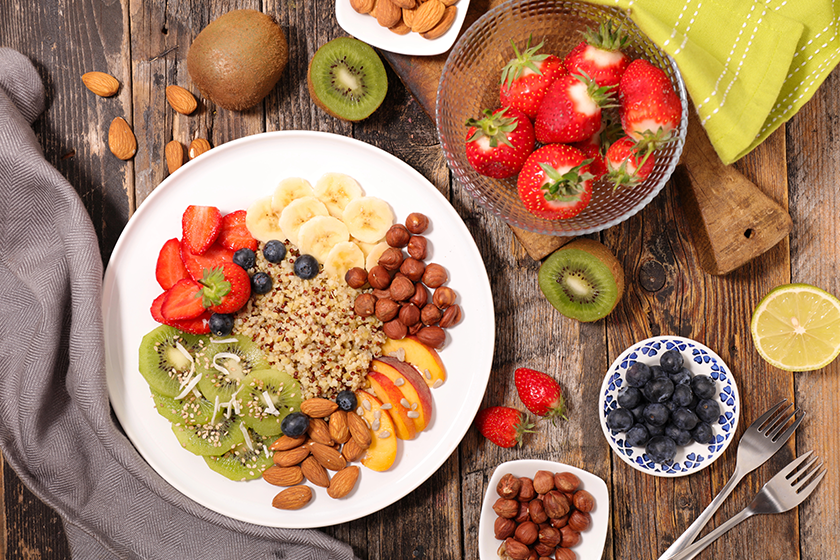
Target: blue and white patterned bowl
x=699, y=360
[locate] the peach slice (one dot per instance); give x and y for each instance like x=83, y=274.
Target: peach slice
x=383, y=444
x=424, y=358
x=412, y=386
x=389, y=393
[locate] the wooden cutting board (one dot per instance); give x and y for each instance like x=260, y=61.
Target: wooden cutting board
x=732, y=220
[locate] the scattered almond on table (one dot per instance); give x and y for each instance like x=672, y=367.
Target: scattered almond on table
x=121, y=140
x=430, y=18
x=100, y=83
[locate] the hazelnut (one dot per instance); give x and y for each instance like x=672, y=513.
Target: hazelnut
x=565, y=554
x=379, y=277
x=432, y=336
x=416, y=222
x=414, y=328
x=556, y=504
x=506, y=508
x=549, y=536
x=434, y=275
x=413, y=269
x=584, y=501
x=365, y=305
x=504, y=528
x=543, y=550
x=579, y=520
x=421, y=295
x=566, y=481
x=516, y=550
x=451, y=317
x=417, y=247
x=560, y=522
x=526, y=491
x=444, y=296
x=409, y=314
x=380, y=294
x=430, y=314
x=569, y=537
x=401, y=288
x=526, y=532
x=395, y=329
x=386, y=309
x=543, y=482
x=536, y=509
x=356, y=277
x=391, y=258
x=523, y=515
x=397, y=236
x=508, y=486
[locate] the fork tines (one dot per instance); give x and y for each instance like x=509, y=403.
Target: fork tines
x=803, y=477
x=774, y=420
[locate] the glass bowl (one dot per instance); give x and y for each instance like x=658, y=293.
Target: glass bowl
x=470, y=83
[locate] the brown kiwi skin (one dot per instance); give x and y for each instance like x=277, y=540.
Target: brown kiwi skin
x=605, y=255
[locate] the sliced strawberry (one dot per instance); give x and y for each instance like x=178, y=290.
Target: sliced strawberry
x=234, y=234
x=201, y=226
x=196, y=325
x=225, y=289
x=213, y=257
x=183, y=301
x=170, y=268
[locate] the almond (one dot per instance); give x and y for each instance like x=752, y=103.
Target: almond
x=318, y=431
x=329, y=457
x=121, y=140
x=174, y=155
x=181, y=100
x=427, y=16
x=401, y=28
x=198, y=147
x=283, y=476
x=338, y=426
x=343, y=482
x=100, y=83
x=408, y=17
x=291, y=457
x=351, y=450
x=387, y=13
x=406, y=4
x=318, y=408
x=315, y=472
x=449, y=2
x=362, y=6
x=292, y=498
x=284, y=443
x=443, y=25
x=358, y=430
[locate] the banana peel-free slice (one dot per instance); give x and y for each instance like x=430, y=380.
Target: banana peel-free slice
x=297, y=213
x=263, y=222
x=368, y=218
x=318, y=235
x=336, y=190
x=289, y=189
x=342, y=257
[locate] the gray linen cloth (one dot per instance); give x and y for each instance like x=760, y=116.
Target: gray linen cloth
x=56, y=430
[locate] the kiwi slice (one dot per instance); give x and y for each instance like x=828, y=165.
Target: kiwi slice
x=347, y=79
x=166, y=359
x=244, y=462
x=264, y=385
x=223, y=365
x=210, y=438
x=582, y=280
x=190, y=410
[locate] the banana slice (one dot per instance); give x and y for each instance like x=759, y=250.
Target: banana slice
x=297, y=213
x=263, y=222
x=342, y=257
x=336, y=190
x=372, y=258
x=289, y=189
x=368, y=218
x=320, y=234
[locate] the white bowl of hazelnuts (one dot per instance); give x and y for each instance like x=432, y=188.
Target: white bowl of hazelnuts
x=546, y=507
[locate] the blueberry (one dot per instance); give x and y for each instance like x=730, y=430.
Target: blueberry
x=671, y=361
x=639, y=412
x=657, y=371
x=685, y=419
x=703, y=386
x=682, y=377
x=708, y=411
x=245, y=258
x=637, y=435
x=661, y=449
x=637, y=374
x=306, y=267
x=620, y=420
x=221, y=324
x=671, y=405
x=655, y=430
x=680, y=437
x=346, y=400
x=682, y=395
x=657, y=414
x=261, y=283
x=295, y=424
x=274, y=251
x=702, y=433
x=629, y=397
x=658, y=389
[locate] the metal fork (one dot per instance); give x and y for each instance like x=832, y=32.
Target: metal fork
x=761, y=440
x=784, y=492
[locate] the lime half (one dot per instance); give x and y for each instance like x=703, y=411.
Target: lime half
x=796, y=327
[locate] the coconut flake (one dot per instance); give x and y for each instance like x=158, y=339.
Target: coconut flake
x=189, y=387
x=184, y=351
x=269, y=406
x=222, y=369
x=223, y=340
x=216, y=408
x=244, y=431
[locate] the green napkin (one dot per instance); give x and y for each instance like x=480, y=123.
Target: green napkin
x=748, y=65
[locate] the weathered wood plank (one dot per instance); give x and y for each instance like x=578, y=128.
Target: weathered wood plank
x=32, y=530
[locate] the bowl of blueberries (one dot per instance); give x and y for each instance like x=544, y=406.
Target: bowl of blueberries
x=669, y=406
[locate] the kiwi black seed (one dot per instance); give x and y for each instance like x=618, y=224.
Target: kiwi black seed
x=347, y=79
x=281, y=388
x=236, y=356
x=166, y=358
x=190, y=410
x=582, y=280
x=244, y=462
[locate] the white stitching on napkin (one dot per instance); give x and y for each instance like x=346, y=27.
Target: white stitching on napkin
x=728, y=60
x=677, y=24
x=688, y=28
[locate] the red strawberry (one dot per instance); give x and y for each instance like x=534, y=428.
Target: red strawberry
x=201, y=226
x=571, y=110
x=599, y=56
x=647, y=101
x=555, y=182
x=595, y=147
x=540, y=393
x=225, y=289
x=234, y=233
x=170, y=268
x=629, y=162
x=212, y=258
x=182, y=301
x=499, y=144
x=503, y=425
x=526, y=78
x=197, y=325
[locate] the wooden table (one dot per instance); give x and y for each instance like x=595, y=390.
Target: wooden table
x=144, y=44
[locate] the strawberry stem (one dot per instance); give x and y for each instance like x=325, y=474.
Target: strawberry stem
x=214, y=286
x=565, y=187
x=527, y=59
x=495, y=126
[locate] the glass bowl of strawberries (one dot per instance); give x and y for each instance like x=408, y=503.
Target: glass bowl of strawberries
x=560, y=117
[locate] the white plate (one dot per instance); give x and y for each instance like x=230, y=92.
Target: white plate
x=365, y=28
x=592, y=540
x=700, y=360
x=230, y=177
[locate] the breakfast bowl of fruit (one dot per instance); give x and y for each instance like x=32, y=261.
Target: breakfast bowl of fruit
x=669, y=406
x=560, y=118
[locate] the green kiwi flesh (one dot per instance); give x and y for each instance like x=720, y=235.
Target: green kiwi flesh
x=582, y=280
x=217, y=383
x=164, y=366
x=190, y=410
x=210, y=438
x=346, y=78
x=243, y=462
x=285, y=395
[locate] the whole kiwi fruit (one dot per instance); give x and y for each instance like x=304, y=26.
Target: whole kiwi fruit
x=237, y=59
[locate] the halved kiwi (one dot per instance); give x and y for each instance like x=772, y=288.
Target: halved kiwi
x=210, y=438
x=244, y=462
x=223, y=366
x=582, y=280
x=166, y=356
x=190, y=410
x=347, y=79
x=262, y=386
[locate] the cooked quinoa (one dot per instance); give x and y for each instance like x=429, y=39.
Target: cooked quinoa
x=308, y=329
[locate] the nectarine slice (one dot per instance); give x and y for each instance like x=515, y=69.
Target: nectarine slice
x=424, y=358
x=389, y=393
x=412, y=386
x=383, y=443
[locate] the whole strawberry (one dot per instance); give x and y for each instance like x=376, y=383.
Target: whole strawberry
x=595, y=147
x=629, y=162
x=503, y=425
x=499, y=143
x=555, y=182
x=571, y=110
x=648, y=103
x=540, y=393
x=225, y=289
x=526, y=78
x=599, y=55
